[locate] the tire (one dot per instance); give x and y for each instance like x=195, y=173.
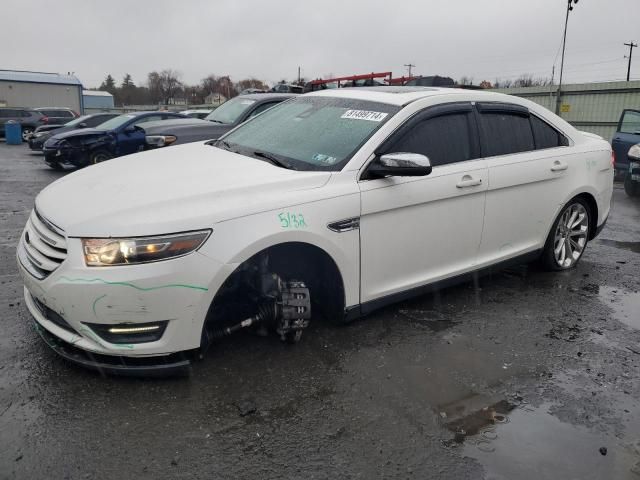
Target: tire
x=26, y=132
x=631, y=187
x=568, y=237
x=99, y=156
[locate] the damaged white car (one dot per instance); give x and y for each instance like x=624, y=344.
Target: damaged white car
x=329, y=205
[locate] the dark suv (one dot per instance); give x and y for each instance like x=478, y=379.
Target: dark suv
x=627, y=135
x=28, y=118
x=57, y=116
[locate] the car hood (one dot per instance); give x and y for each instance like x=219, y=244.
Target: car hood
x=178, y=122
x=80, y=132
x=187, y=187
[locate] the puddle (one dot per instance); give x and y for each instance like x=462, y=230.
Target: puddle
x=625, y=304
x=631, y=246
x=529, y=443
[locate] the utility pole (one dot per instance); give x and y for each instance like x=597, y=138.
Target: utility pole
x=298, y=75
x=409, y=66
x=631, y=46
x=564, y=43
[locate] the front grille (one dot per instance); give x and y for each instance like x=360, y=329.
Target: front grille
x=52, y=316
x=44, y=246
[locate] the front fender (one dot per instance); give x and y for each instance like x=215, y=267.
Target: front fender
x=235, y=241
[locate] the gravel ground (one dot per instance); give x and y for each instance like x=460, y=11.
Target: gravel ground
x=523, y=374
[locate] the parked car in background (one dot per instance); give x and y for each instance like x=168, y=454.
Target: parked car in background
x=227, y=116
x=57, y=116
x=627, y=134
x=632, y=177
x=349, y=200
x=44, y=132
x=197, y=112
x=28, y=118
x=287, y=88
x=247, y=91
x=118, y=136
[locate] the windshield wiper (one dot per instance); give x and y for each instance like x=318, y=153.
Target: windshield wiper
x=216, y=121
x=274, y=160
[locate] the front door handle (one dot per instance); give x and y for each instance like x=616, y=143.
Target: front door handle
x=559, y=166
x=468, y=181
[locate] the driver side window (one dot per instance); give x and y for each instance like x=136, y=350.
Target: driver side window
x=443, y=139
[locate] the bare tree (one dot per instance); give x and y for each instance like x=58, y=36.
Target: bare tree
x=251, y=83
x=465, y=80
x=171, y=84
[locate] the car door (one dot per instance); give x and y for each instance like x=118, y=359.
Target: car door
x=417, y=230
x=131, y=139
x=627, y=135
x=529, y=177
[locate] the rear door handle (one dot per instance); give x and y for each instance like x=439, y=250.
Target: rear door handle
x=559, y=166
x=468, y=181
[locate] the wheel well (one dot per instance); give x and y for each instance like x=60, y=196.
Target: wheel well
x=291, y=261
x=593, y=207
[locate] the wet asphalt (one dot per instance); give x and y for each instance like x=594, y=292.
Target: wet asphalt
x=520, y=375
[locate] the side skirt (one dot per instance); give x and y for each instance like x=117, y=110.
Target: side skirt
x=357, y=311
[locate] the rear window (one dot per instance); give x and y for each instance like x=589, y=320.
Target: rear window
x=504, y=133
x=630, y=122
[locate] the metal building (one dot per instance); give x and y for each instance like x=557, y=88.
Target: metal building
x=592, y=107
x=97, y=100
x=39, y=89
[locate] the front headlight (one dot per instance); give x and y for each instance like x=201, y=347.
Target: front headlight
x=160, y=140
x=102, y=252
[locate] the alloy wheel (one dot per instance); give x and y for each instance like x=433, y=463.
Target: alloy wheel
x=570, y=236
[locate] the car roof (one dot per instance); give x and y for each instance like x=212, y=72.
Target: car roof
x=268, y=96
x=401, y=96
x=53, y=108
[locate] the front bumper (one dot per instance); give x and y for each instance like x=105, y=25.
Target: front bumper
x=36, y=143
x=66, y=154
x=174, y=364
x=68, y=301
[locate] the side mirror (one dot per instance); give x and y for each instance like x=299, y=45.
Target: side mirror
x=400, y=165
x=130, y=129
x=82, y=125
x=634, y=153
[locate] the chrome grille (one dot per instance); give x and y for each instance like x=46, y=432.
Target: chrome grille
x=43, y=246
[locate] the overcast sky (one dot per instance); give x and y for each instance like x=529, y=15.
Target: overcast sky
x=483, y=39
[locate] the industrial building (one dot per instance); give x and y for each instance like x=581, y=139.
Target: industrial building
x=97, y=100
x=40, y=89
x=592, y=107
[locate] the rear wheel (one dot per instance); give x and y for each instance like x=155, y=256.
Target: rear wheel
x=99, y=156
x=631, y=187
x=26, y=133
x=568, y=236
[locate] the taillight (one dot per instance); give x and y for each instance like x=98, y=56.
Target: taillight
x=75, y=113
x=44, y=119
x=613, y=158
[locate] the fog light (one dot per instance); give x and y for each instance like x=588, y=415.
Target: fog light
x=129, y=332
x=133, y=329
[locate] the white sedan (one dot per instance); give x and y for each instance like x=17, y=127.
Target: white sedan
x=333, y=203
